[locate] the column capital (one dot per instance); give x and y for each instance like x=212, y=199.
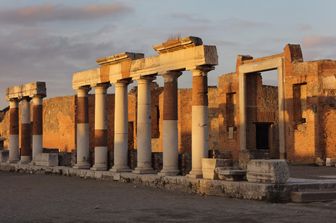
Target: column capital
x=26, y=98
x=123, y=82
x=170, y=76
x=147, y=78
x=13, y=103
x=201, y=70
x=83, y=91
x=102, y=88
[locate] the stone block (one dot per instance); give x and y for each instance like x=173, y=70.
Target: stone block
x=47, y=159
x=4, y=154
x=64, y=159
x=268, y=171
x=209, y=166
x=231, y=174
x=330, y=161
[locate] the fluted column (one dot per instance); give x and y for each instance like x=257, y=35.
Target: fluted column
x=144, y=147
x=26, y=136
x=121, y=127
x=82, y=129
x=100, y=150
x=170, y=133
x=200, y=129
x=14, y=151
x=37, y=126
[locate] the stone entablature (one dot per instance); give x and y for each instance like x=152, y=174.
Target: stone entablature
x=27, y=90
x=180, y=54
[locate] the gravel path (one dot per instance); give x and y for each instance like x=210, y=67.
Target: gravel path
x=43, y=198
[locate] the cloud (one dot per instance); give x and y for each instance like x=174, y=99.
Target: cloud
x=189, y=18
x=51, y=12
x=319, y=41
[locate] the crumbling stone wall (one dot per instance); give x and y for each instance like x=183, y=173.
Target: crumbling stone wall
x=313, y=138
x=262, y=106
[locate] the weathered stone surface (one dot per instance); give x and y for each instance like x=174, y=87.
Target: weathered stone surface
x=4, y=154
x=27, y=90
x=209, y=166
x=330, y=161
x=47, y=159
x=268, y=171
x=230, y=174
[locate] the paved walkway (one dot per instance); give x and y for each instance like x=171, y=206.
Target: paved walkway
x=312, y=172
x=43, y=198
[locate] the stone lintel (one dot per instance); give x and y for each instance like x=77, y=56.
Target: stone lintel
x=175, y=44
x=27, y=90
x=185, y=59
x=117, y=58
x=90, y=78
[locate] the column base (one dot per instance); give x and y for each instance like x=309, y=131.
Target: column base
x=144, y=170
x=99, y=167
x=196, y=174
x=169, y=172
x=82, y=166
x=25, y=160
x=120, y=169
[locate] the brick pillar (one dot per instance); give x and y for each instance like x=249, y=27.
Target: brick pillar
x=100, y=149
x=121, y=127
x=144, y=148
x=37, y=125
x=26, y=136
x=82, y=128
x=200, y=128
x=14, y=151
x=170, y=133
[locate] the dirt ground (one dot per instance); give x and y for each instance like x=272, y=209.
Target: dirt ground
x=45, y=198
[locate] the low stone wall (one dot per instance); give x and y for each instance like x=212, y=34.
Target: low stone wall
x=241, y=189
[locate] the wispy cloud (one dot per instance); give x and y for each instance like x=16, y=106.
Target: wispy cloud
x=319, y=41
x=52, y=12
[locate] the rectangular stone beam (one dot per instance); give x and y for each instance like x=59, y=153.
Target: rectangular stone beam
x=27, y=90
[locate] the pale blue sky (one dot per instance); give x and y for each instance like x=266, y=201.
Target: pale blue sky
x=49, y=40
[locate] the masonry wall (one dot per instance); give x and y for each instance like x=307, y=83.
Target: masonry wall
x=313, y=139
x=261, y=106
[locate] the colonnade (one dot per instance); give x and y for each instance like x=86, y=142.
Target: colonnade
x=30, y=98
x=199, y=114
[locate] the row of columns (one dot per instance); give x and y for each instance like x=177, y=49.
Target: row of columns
x=31, y=134
x=144, y=151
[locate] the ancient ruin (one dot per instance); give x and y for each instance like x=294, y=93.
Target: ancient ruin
x=240, y=130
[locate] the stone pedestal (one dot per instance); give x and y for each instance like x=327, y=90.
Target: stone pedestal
x=210, y=165
x=268, y=171
x=46, y=159
x=144, y=163
x=121, y=127
x=82, y=129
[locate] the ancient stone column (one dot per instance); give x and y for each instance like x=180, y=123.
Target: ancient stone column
x=144, y=147
x=82, y=129
x=121, y=127
x=14, y=151
x=37, y=125
x=26, y=149
x=200, y=129
x=170, y=133
x=100, y=150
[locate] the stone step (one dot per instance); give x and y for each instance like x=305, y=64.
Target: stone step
x=313, y=196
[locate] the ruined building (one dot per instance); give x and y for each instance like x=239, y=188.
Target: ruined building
x=246, y=119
